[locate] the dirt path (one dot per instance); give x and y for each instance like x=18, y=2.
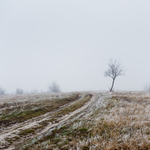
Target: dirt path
x=66, y=117
x=13, y=131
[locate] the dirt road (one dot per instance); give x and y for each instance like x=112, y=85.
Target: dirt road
x=37, y=127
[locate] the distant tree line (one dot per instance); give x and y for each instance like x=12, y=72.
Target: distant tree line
x=52, y=88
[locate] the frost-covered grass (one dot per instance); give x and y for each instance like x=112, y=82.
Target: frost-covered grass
x=6, y=99
x=26, y=121
x=18, y=111
x=74, y=106
x=116, y=121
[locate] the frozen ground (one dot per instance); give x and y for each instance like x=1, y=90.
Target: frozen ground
x=82, y=120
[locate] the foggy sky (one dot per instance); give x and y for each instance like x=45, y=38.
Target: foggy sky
x=71, y=42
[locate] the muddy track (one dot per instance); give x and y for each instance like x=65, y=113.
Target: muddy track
x=66, y=117
x=13, y=131
x=33, y=121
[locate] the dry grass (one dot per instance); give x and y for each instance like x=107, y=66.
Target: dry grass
x=60, y=113
x=21, y=111
x=115, y=121
x=121, y=123
x=126, y=124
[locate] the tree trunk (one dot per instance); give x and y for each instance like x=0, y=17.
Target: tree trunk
x=112, y=85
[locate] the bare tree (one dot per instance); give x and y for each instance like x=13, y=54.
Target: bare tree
x=2, y=91
x=19, y=91
x=54, y=87
x=115, y=69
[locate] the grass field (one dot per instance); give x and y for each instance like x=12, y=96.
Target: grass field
x=110, y=121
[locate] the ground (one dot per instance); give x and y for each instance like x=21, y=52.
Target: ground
x=77, y=120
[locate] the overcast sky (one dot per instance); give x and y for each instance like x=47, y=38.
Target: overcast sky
x=71, y=42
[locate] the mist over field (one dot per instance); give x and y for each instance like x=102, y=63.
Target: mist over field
x=74, y=75
x=71, y=42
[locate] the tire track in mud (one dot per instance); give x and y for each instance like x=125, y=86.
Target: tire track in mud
x=37, y=120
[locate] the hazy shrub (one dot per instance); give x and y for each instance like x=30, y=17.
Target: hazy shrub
x=54, y=88
x=2, y=91
x=147, y=87
x=19, y=91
